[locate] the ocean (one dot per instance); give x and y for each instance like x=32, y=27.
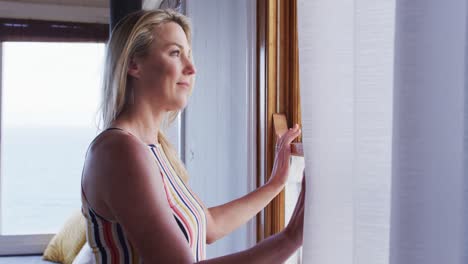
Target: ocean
x=40, y=177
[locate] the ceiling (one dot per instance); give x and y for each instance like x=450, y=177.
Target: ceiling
x=86, y=3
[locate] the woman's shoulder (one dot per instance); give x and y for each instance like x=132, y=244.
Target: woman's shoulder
x=115, y=161
x=117, y=152
x=111, y=141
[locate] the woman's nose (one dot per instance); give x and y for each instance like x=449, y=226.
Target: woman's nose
x=190, y=68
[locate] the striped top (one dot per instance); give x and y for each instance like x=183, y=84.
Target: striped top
x=108, y=240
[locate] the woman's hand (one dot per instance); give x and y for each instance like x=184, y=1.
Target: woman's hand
x=276, y=248
x=295, y=228
x=279, y=174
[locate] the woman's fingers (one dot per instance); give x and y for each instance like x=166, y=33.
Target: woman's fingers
x=288, y=137
x=291, y=134
x=283, y=154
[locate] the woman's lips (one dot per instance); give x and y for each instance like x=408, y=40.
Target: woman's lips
x=185, y=84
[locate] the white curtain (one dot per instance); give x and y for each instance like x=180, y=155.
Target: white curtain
x=385, y=129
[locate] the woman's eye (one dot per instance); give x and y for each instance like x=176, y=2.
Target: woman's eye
x=175, y=53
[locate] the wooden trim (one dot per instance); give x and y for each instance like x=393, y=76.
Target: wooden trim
x=274, y=212
x=294, y=111
x=47, y=31
x=283, y=56
x=281, y=89
x=289, y=63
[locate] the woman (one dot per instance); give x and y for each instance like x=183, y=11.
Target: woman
x=135, y=198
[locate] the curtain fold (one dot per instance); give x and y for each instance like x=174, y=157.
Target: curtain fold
x=346, y=111
x=429, y=188
x=326, y=59
x=384, y=110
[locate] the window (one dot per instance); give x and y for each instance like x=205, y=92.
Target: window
x=278, y=74
x=50, y=92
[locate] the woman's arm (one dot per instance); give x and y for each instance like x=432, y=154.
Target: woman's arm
x=277, y=248
x=223, y=219
x=127, y=179
x=134, y=194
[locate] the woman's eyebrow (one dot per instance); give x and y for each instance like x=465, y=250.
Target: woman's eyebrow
x=178, y=45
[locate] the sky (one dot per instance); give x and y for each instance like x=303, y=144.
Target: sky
x=51, y=84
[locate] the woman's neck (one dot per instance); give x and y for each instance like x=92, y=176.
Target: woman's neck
x=142, y=123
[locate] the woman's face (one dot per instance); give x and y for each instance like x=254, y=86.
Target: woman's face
x=166, y=74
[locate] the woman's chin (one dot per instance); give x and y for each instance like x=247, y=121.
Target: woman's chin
x=179, y=105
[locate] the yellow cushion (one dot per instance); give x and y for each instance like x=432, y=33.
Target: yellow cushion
x=67, y=243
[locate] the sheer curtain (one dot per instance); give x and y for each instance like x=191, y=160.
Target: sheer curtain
x=385, y=130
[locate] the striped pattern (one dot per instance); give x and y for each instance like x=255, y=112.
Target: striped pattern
x=108, y=241
x=186, y=208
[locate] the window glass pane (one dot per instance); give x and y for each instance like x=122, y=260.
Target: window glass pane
x=292, y=191
x=50, y=95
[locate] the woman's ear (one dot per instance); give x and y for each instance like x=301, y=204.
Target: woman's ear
x=134, y=68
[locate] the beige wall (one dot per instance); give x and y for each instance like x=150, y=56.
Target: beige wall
x=95, y=11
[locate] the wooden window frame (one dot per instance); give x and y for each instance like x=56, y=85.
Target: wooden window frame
x=12, y=29
x=278, y=92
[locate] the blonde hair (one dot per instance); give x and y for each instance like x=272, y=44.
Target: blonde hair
x=132, y=37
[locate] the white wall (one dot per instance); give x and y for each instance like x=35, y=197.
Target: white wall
x=219, y=124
